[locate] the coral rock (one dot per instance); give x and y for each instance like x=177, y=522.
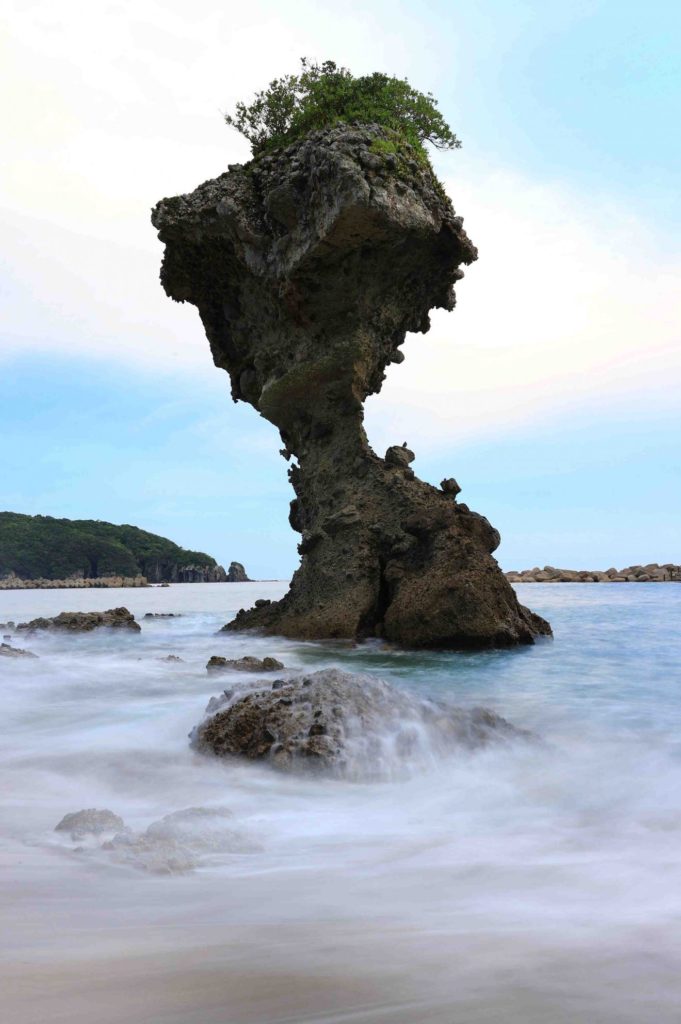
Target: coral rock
x=308, y=271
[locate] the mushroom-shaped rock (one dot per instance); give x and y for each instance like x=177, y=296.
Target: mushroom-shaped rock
x=308, y=267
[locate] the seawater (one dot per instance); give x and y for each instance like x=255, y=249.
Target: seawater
x=530, y=882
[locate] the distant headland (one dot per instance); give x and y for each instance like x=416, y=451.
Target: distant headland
x=39, y=551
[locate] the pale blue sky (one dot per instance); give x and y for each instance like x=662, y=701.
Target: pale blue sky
x=552, y=393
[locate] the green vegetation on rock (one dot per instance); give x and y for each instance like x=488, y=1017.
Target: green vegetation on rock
x=40, y=547
x=325, y=95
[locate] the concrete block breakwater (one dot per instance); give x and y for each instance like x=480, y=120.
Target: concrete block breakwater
x=651, y=573
x=76, y=583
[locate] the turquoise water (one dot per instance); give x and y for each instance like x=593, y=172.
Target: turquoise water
x=528, y=882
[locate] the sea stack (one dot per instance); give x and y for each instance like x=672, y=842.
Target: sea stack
x=308, y=267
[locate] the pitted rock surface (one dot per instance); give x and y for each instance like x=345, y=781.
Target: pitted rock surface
x=307, y=268
x=344, y=725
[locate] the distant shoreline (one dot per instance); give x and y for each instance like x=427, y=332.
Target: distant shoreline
x=102, y=582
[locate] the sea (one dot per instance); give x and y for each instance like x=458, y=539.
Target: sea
x=534, y=881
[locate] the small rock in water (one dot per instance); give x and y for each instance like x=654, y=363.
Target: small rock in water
x=7, y=651
x=174, y=844
x=90, y=822
x=149, y=853
x=202, y=828
x=247, y=664
x=84, y=622
x=172, y=657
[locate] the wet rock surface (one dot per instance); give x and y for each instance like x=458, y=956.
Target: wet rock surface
x=338, y=724
x=308, y=267
x=84, y=622
x=246, y=664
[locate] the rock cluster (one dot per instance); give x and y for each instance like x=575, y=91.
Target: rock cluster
x=651, y=573
x=246, y=664
x=173, y=845
x=308, y=267
x=83, y=622
x=13, y=582
x=343, y=725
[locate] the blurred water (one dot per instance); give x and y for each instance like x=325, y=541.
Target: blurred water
x=531, y=882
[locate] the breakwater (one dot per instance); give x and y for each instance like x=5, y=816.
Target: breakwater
x=651, y=573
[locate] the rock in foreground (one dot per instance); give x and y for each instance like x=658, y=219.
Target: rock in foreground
x=343, y=725
x=84, y=622
x=308, y=267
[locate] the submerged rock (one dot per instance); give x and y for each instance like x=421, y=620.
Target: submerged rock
x=172, y=658
x=7, y=651
x=177, y=842
x=246, y=664
x=308, y=267
x=90, y=821
x=343, y=725
x=83, y=622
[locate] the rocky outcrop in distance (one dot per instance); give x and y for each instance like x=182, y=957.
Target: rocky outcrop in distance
x=650, y=573
x=343, y=725
x=83, y=622
x=308, y=267
x=236, y=573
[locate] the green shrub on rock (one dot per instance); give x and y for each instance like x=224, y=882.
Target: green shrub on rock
x=324, y=95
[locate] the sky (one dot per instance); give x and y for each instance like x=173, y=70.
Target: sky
x=553, y=391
